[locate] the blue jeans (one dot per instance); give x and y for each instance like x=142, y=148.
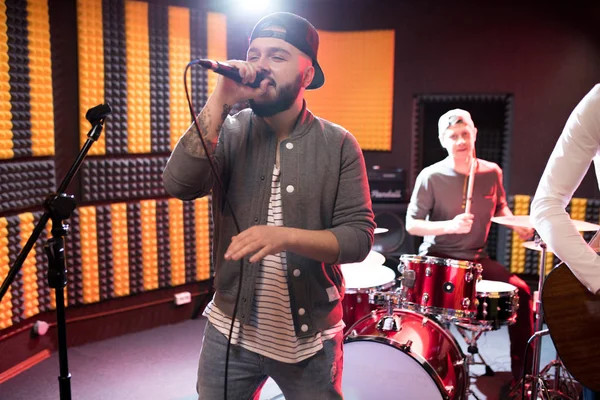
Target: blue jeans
x=590, y=394
x=318, y=377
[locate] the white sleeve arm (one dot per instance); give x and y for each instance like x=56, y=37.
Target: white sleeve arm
x=566, y=168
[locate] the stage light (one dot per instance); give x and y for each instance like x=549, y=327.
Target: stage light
x=253, y=6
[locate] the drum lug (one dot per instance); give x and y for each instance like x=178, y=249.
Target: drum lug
x=428, y=271
x=466, y=302
x=469, y=277
x=449, y=389
x=424, y=299
x=406, y=346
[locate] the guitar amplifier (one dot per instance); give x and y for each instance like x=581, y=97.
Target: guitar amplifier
x=387, y=184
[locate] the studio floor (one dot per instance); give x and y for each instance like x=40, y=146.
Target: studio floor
x=161, y=363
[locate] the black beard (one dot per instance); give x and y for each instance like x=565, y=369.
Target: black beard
x=284, y=100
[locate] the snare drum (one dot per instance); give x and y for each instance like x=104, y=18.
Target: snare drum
x=360, y=281
x=441, y=286
x=498, y=304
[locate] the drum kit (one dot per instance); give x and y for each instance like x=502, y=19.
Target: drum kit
x=397, y=340
x=406, y=327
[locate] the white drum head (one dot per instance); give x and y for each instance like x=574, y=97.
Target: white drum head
x=484, y=286
x=364, y=277
x=373, y=258
x=374, y=370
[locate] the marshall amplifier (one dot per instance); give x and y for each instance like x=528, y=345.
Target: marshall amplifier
x=388, y=184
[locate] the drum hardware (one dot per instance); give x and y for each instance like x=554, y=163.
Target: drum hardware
x=387, y=323
x=537, y=381
x=475, y=332
x=406, y=280
x=406, y=346
x=466, y=303
x=469, y=277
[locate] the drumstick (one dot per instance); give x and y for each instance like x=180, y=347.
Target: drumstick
x=471, y=182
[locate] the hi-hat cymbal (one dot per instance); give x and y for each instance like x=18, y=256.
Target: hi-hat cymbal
x=381, y=230
x=524, y=222
x=531, y=245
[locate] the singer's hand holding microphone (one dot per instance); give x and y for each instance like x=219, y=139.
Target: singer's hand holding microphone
x=239, y=80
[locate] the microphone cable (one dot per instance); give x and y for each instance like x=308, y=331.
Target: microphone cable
x=235, y=220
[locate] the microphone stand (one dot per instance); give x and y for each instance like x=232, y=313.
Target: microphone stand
x=59, y=207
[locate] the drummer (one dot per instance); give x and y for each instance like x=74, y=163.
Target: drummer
x=437, y=211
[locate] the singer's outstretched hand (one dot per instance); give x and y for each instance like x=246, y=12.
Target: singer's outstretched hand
x=259, y=241
x=232, y=92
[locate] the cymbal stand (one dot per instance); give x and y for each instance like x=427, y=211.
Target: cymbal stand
x=539, y=316
x=475, y=333
x=539, y=385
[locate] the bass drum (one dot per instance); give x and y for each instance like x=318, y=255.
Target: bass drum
x=405, y=355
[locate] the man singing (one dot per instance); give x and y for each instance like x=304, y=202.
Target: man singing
x=298, y=186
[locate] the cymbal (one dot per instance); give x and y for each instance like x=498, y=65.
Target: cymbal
x=514, y=220
x=381, y=230
x=531, y=245
x=523, y=221
x=373, y=258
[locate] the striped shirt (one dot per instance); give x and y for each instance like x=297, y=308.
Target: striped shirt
x=271, y=330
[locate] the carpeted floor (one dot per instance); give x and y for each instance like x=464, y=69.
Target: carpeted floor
x=161, y=364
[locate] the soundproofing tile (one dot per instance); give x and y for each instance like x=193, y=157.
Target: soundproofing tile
x=105, y=252
x=198, y=42
x=18, y=61
x=90, y=46
x=359, y=98
x=149, y=244
x=204, y=227
x=115, y=75
x=16, y=288
x=160, y=116
x=163, y=243
x=41, y=260
x=189, y=239
x=138, y=77
x=134, y=238
x=5, y=264
x=25, y=184
x=120, y=257
x=179, y=57
x=122, y=179
x=40, y=74
x=74, y=260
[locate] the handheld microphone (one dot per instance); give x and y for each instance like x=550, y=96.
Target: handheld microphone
x=228, y=71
